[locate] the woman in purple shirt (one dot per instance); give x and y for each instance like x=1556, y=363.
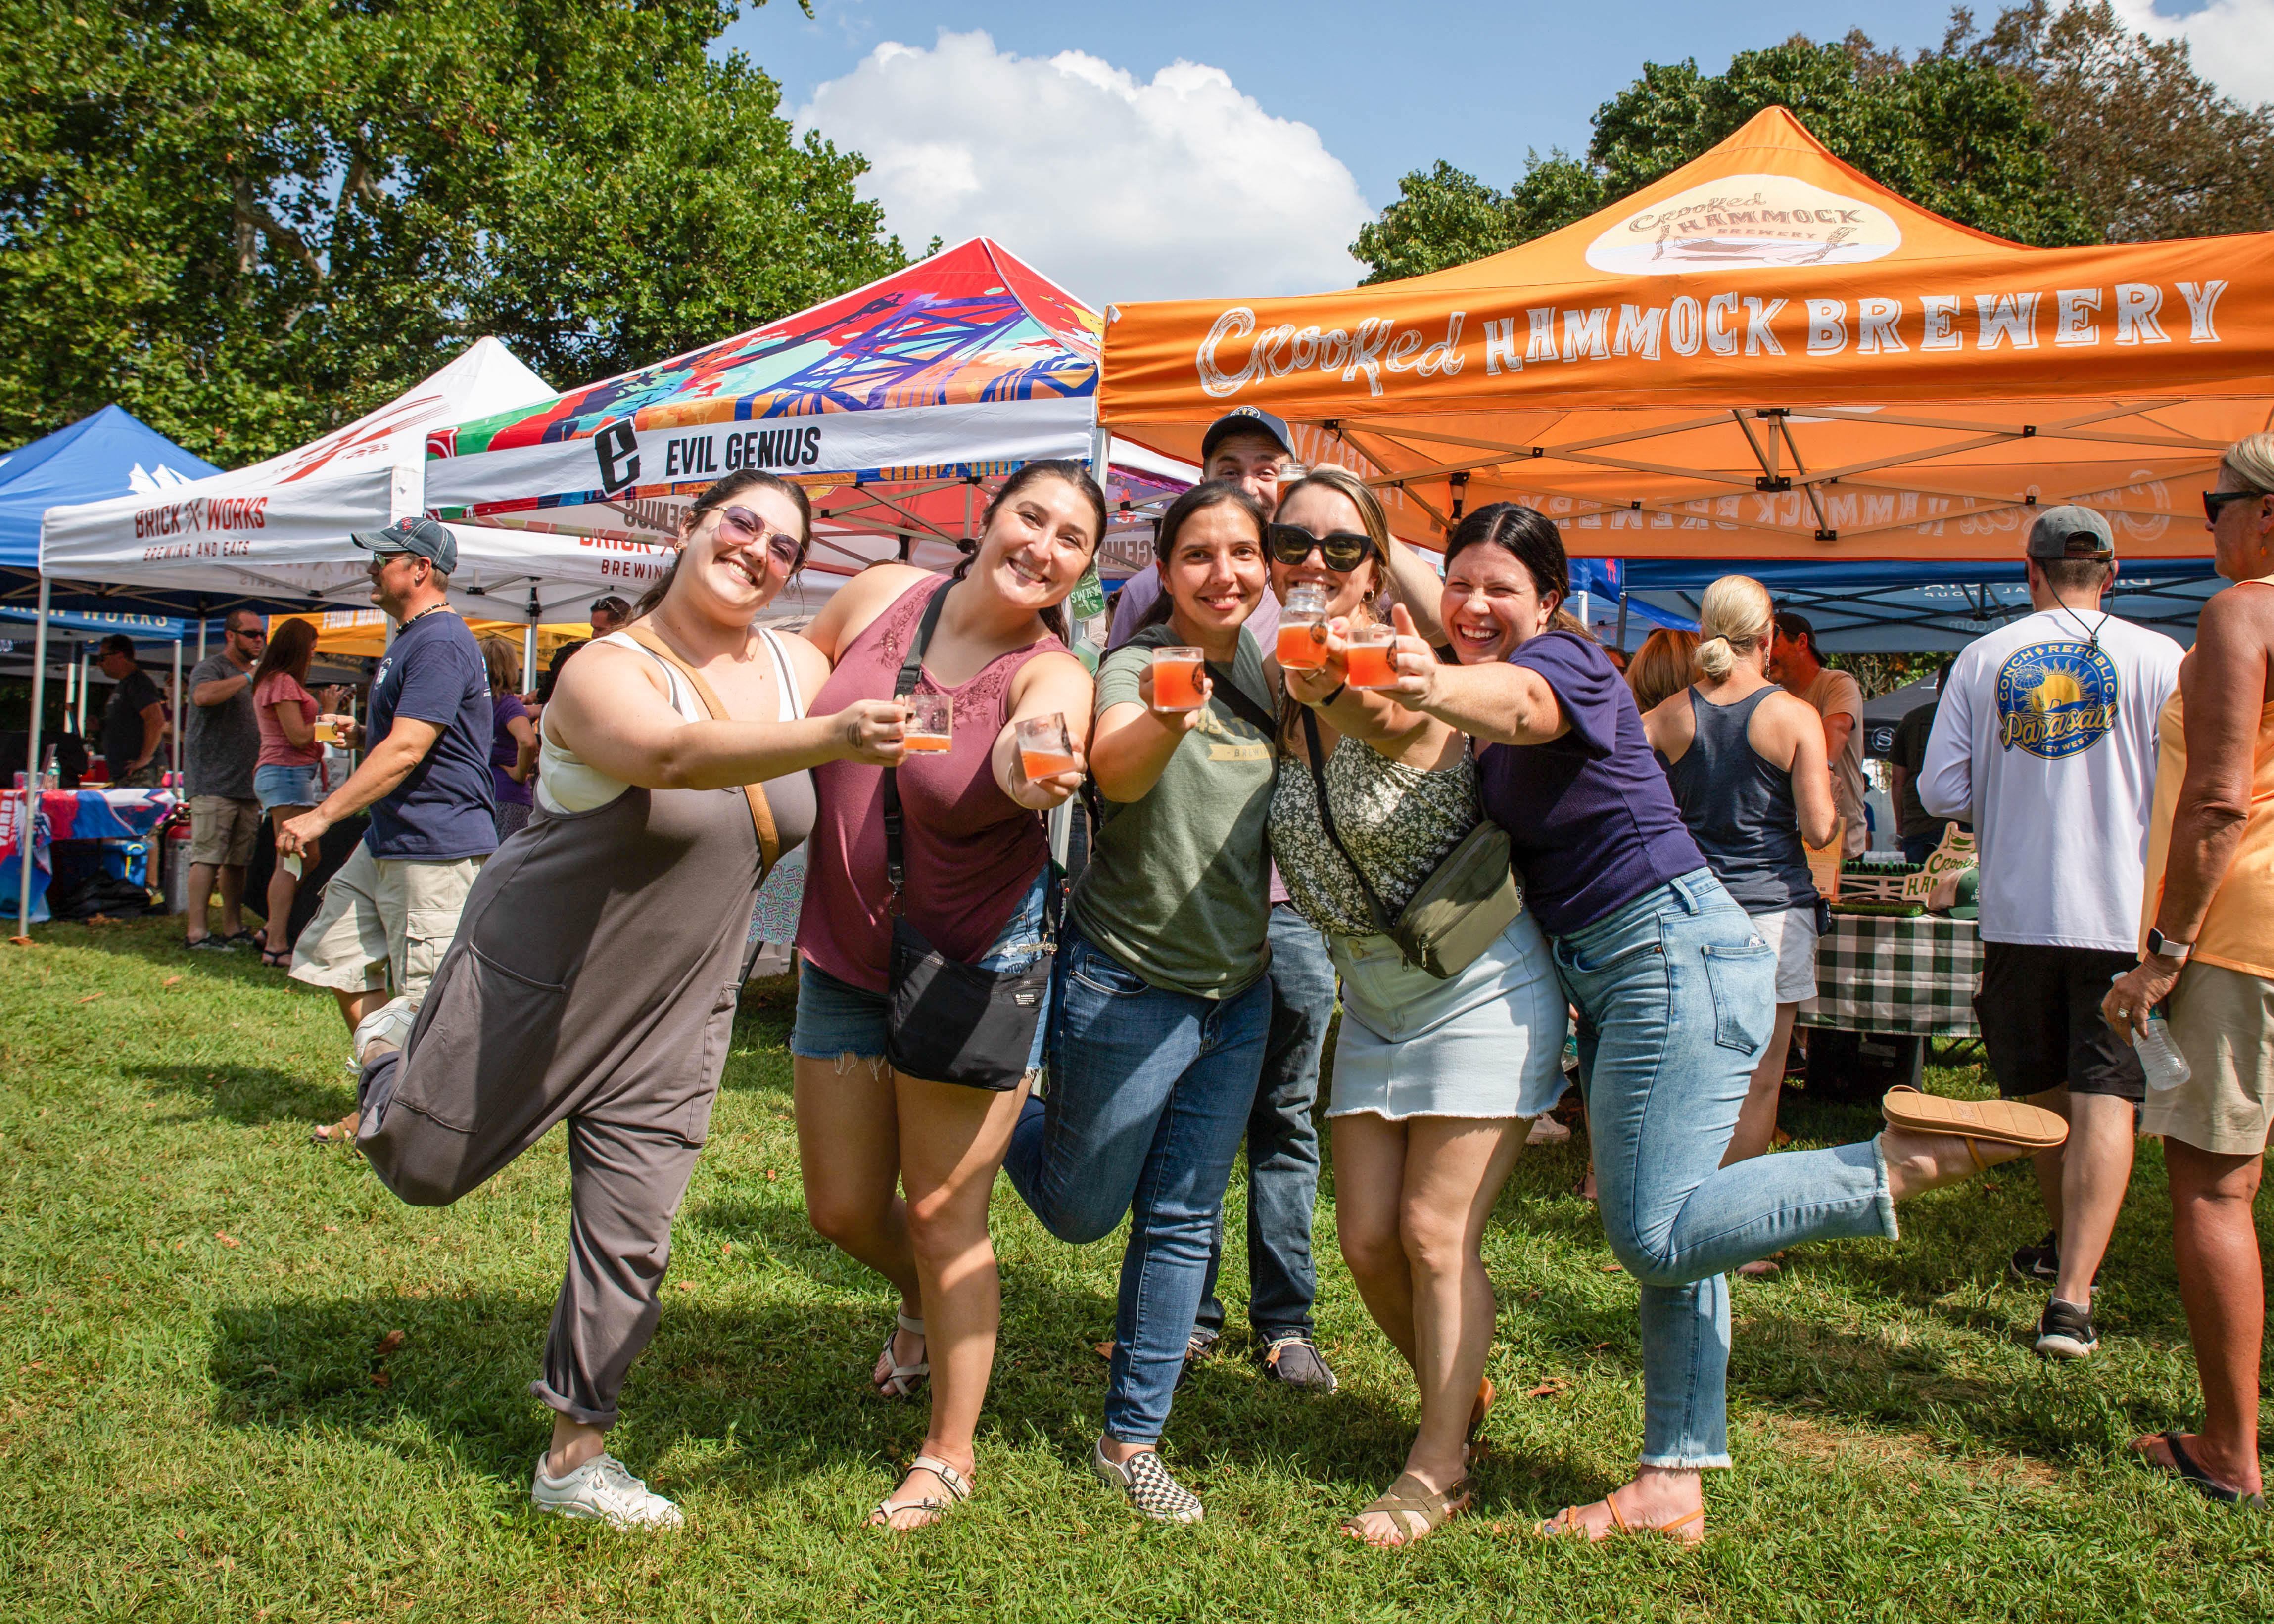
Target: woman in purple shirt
x=1676, y=995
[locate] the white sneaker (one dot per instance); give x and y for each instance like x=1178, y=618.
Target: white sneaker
x=390, y=1024
x=602, y=1488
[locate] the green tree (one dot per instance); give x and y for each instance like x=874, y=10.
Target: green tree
x=248, y=220
x=1954, y=132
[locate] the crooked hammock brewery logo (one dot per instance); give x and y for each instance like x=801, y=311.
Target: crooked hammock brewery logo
x=2055, y=699
x=1743, y=222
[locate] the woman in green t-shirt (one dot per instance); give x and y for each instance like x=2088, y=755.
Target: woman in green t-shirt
x=1162, y=1006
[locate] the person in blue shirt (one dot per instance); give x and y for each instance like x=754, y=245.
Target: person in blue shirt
x=390, y=911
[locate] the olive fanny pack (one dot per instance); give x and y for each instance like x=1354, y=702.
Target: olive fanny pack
x=947, y=1021
x=1468, y=899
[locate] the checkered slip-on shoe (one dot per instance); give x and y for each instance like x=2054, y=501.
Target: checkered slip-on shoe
x=1146, y=1484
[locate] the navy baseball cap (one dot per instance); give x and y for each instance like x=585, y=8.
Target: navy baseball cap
x=1244, y=420
x=428, y=538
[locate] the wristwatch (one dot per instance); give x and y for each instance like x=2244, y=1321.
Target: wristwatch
x=2162, y=947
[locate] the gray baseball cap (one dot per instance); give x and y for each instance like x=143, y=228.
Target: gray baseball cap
x=2071, y=532
x=429, y=539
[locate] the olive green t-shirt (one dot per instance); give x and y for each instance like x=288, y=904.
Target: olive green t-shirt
x=1178, y=887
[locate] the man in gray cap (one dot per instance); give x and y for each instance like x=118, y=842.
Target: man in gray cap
x=389, y=914
x=2045, y=740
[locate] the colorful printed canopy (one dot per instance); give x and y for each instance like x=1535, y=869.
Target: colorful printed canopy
x=891, y=405
x=1765, y=354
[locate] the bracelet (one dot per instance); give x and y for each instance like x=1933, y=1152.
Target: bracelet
x=1320, y=704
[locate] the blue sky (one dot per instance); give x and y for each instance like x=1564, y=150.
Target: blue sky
x=1172, y=150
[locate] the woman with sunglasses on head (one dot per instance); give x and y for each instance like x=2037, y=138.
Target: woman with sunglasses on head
x=1436, y=1080
x=598, y=957
x=899, y=1164
x=1675, y=993
x=1162, y=1005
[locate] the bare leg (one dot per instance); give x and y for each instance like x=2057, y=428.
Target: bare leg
x=281, y=889
x=2095, y=1174
x=849, y=1150
x=1757, y=1117
x=1657, y=1497
x=573, y=1444
x=2048, y=1162
x=2216, y=1246
x=952, y=1141
x=355, y=1005
x=1369, y=1191
x=199, y=925
x=232, y=898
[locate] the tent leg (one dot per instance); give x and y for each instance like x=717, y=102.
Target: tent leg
x=1101, y=455
x=529, y=650
x=1622, y=638
x=181, y=700
x=85, y=668
x=30, y=826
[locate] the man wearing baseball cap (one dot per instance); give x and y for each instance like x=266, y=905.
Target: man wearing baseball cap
x=390, y=911
x=2045, y=740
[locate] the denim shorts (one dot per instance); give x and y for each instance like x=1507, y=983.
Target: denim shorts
x=285, y=786
x=835, y=1019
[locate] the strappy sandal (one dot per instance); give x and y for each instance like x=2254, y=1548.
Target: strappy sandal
x=340, y=1132
x=905, y=1379
x=2027, y=1129
x=2188, y=1468
x=1486, y=1394
x=1567, y=1522
x=1433, y=1511
x=950, y=1480
x=277, y=961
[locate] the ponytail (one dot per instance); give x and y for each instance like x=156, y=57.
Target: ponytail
x=1717, y=657
x=1734, y=618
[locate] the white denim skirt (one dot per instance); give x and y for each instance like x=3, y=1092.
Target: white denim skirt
x=1489, y=1042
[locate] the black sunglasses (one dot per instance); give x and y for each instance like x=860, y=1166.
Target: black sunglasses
x=1344, y=551
x=2213, y=500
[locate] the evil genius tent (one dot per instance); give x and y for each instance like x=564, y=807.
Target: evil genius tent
x=894, y=406
x=1765, y=354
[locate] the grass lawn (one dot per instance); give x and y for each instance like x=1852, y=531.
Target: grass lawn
x=197, y=1423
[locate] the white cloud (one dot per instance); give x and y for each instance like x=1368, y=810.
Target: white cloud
x=1118, y=189
x=2231, y=41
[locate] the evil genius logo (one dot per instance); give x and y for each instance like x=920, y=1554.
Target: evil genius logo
x=2055, y=699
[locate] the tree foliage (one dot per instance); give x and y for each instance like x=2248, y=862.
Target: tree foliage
x=247, y=221
x=2052, y=129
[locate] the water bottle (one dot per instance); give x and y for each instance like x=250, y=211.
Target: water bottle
x=2159, y=1056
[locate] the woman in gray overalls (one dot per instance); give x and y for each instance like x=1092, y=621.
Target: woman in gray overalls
x=598, y=961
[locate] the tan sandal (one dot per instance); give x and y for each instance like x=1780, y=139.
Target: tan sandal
x=2027, y=1129
x=952, y=1480
x=1431, y=1510
x=1567, y=1522
x=1486, y=1394
x=340, y=1132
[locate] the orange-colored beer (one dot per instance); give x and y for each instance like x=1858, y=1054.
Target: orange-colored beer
x=1368, y=664
x=1176, y=685
x=1303, y=647
x=1047, y=764
x=929, y=742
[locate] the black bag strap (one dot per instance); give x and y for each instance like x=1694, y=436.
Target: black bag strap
x=896, y=869
x=1373, y=908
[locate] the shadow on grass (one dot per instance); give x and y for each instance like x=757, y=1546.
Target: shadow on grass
x=252, y=1096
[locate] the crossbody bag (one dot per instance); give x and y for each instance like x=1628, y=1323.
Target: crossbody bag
x=948, y=1021
x=1468, y=899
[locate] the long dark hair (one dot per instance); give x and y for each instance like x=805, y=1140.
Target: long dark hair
x=1527, y=533
x=1206, y=494
x=718, y=495
x=289, y=652
x=1050, y=468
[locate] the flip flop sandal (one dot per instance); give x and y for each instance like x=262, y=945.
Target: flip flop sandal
x=2027, y=1128
x=2187, y=1466
x=1567, y=1522
x=340, y=1132
x=958, y=1492
x=277, y=961
x=238, y=939
x=1431, y=1511
x=905, y=1379
x=1486, y=1394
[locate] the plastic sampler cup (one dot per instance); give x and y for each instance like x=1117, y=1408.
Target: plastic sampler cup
x=1176, y=679
x=1303, y=646
x=1368, y=661
x=1045, y=746
x=932, y=722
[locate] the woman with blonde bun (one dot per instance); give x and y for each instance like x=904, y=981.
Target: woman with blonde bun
x=1746, y=763
x=1664, y=665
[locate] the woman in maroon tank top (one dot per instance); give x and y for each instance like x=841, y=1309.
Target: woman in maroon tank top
x=977, y=864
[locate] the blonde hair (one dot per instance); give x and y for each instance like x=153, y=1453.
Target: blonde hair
x=1662, y=667
x=1733, y=621
x=1371, y=514
x=2251, y=459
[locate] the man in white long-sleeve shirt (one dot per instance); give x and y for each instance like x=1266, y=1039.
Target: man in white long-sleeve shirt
x=2045, y=741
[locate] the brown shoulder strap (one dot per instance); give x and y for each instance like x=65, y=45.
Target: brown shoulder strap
x=762, y=816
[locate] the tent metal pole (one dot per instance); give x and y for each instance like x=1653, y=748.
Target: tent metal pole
x=86, y=681
x=30, y=827
x=528, y=647
x=70, y=681
x=1620, y=639
x=181, y=700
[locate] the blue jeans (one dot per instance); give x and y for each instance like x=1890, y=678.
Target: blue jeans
x=1676, y=998
x=1282, y=1141
x=1148, y=1090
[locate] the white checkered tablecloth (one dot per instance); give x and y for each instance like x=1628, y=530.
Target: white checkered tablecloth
x=1915, y=976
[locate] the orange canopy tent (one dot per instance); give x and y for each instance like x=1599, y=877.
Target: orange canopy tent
x=1765, y=354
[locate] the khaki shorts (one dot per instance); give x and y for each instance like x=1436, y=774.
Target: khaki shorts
x=2223, y=1021
x=383, y=923
x=221, y=829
